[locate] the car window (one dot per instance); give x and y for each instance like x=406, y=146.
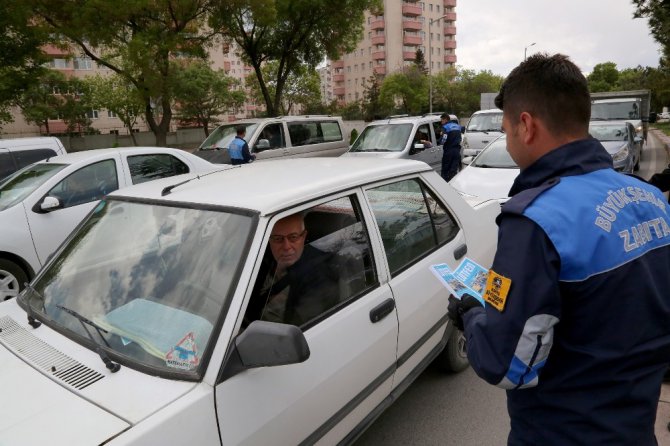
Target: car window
x=422, y=134
x=26, y=157
x=274, y=135
x=157, y=165
x=331, y=131
x=19, y=185
x=383, y=138
x=411, y=220
x=332, y=265
x=437, y=128
x=609, y=132
x=303, y=133
x=87, y=184
x=221, y=137
x=496, y=156
x=7, y=165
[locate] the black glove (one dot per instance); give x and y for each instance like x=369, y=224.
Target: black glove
x=458, y=307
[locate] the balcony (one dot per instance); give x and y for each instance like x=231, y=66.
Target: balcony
x=379, y=55
x=412, y=40
x=338, y=64
x=449, y=30
x=408, y=55
x=379, y=70
x=450, y=17
x=51, y=50
x=411, y=10
x=449, y=3
x=338, y=77
x=338, y=91
x=450, y=58
x=377, y=24
x=449, y=44
x=378, y=40
x=412, y=25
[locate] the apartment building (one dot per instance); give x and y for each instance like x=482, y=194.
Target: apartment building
x=390, y=42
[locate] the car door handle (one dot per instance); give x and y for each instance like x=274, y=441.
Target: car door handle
x=382, y=310
x=460, y=252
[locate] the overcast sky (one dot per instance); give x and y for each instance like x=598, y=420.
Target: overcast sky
x=492, y=34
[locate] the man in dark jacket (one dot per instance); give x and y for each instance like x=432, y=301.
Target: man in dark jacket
x=300, y=282
x=451, y=151
x=575, y=325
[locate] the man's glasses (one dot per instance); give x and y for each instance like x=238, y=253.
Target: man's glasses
x=293, y=237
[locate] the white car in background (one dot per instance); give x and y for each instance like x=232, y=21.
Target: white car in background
x=489, y=175
x=41, y=204
x=483, y=127
x=152, y=329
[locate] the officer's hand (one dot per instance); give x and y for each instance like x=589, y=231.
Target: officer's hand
x=458, y=307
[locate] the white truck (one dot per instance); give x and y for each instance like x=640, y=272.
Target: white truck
x=631, y=106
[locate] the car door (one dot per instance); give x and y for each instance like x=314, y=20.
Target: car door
x=271, y=142
x=417, y=231
x=352, y=343
x=78, y=193
x=426, y=154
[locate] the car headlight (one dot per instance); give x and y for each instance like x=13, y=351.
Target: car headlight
x=621, y=155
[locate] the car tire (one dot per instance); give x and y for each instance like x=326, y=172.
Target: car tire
x=12, y=278
x=454, y=357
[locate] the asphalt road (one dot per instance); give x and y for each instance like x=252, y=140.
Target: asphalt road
x=442, y=409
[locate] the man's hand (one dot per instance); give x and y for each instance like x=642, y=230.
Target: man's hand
x=458, y=307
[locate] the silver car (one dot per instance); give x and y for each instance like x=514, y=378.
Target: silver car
x=622, y=143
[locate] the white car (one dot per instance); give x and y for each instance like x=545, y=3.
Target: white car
x=490, y=175
x=41, y=204
x=483, y=127
x=153, y=327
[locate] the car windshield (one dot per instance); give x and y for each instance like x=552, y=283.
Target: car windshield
x=608, y=132
x=22, y=183
x=383, y=138
x=154, y=277
x=615, y=110
x=495, y=155
x=221, y=136
x=485, y=122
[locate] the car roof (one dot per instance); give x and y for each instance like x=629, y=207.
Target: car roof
x=608, y=122
x=490, y=110
x=17, y=142
x=280, y=119
x=269, y=186
x=87, y=155
x=405, y=119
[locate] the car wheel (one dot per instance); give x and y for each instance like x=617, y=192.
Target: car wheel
x=12, y=278
x=454, y=357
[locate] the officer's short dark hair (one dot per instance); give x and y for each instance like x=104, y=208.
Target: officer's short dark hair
x=241, y=129
x=551, y=88
x=444, y=116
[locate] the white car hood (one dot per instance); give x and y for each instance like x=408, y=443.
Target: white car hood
x=57, y=392
x=488, y=183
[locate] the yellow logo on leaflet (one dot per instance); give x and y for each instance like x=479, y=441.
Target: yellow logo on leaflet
x=497, y=288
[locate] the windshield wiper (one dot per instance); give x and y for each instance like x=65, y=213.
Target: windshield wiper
x=31, y=313
x=112, y=366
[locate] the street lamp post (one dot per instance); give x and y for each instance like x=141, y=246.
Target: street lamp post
x=524, y=50
x=430, y=64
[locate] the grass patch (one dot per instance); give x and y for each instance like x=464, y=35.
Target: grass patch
x=663, y=126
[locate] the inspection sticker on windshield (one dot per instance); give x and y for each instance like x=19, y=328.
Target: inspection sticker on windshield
x=184, y=355
x=496, y=291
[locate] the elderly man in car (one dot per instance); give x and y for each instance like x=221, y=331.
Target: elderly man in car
x=299, y=282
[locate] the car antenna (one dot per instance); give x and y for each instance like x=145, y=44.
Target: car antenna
x=166, y=190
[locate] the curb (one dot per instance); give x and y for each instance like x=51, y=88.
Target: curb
x=665, y=139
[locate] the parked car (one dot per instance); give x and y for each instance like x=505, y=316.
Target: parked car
x=42, y=203
x=407, y=137
x=483, y=127
x=153, y=332
x=16, y=153
x=621, y=141
x=489, y=175
x=282, y=137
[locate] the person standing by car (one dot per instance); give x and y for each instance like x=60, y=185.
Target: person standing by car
x=575, y=325
x=238, y=149
x=451, y=153
x=661, y=180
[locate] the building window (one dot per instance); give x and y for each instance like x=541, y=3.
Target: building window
x=430, y=7
x=437, y=8
x=92, y=114
x=82, y=63
x=111, y=114
x=59, y=63
x=113, y=132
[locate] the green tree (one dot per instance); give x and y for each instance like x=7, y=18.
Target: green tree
x=21, y=58
x=75, y=106
x=203, y=94
x=604, y=77
x=658, y=14
x=138, y=40
x=407, y=90
x=302, y=87
x=291, y=33
x=115, y=94
x=420, y=61
x=373, y=107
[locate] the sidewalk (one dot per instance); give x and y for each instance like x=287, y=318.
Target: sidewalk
x=663, y=417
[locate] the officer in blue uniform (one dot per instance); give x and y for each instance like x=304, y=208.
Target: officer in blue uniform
x=238, y=148
x=451, y=151
x=576, y=324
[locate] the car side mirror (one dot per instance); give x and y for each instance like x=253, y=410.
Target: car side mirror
x=416, y=148
x=47, y=205
x=262, y=144
x=266, y=344
x=468, y=159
